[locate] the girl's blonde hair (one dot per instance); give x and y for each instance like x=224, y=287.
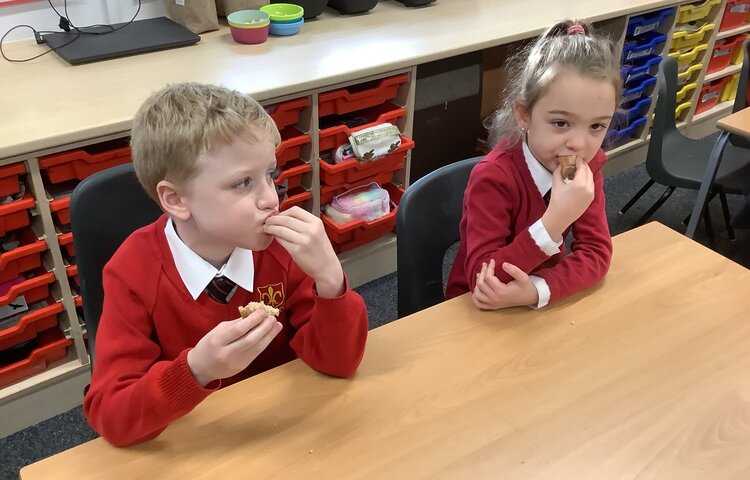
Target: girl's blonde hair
x=566, y=46
x=179, y=123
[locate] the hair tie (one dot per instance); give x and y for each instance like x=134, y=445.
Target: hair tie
x=576, y=29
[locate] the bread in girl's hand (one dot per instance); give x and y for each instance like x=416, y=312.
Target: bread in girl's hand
x=567, y=166
x=253, y=306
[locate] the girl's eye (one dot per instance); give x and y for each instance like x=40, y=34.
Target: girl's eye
x=560, y=123
x=244, y=183
x=598, y=126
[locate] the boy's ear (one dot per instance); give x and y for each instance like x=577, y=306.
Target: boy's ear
x=522, y=115
x=172, y=201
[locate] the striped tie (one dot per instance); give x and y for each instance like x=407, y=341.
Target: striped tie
x=221, y=289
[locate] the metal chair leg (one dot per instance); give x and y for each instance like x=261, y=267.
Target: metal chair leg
x=664, y=196
x=727, y=216
x=635, y=198
x=687, y=219
x=714, y=160
x=709, y=227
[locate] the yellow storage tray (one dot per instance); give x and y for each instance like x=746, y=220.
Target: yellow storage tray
x=688, y=57
x=691, y=13
x=730, y=91
x=686, y=92
x=681, y=110
x=689, y=39
x=688, y=74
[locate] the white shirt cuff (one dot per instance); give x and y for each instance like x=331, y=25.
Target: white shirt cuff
x=542, y=289
x=543, y=240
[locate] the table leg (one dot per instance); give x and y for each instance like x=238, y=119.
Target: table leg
x=708, y=179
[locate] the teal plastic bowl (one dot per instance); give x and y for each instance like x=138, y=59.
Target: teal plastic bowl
x=284, y=29
x=248, y=19
x=283, y=12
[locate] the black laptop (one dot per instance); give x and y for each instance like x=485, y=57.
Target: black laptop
x=140, y=36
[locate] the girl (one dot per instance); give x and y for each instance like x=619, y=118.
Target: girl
x=563, y=91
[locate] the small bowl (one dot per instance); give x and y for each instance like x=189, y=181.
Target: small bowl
x=284, y=29
x=248, y=19
x=249, y=36
x=283, y=12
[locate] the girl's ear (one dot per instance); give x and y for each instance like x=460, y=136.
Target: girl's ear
x=522, y=114
x=172, y=201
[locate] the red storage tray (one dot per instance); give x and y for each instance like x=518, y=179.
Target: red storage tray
x=66, y=243
x=352, y=170
x=85, y=161
x=346, y=236
x=332, y=137
x=735, y=14
x=294, y=172
x=33, y=289
x=78, y=301
x=710, y=94
x=286, y=114
x=290, y=147
x=297, y=197
x=327, y=192
x=724, y=51
x=31, y=324
x=27, y=256
x=15, y=215
x=72, y=272
x=61, y=210
x=9, y=178
x=52, y=347
x=358, y=97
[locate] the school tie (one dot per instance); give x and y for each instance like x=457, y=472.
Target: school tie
x=546, y=197
x=221, y=289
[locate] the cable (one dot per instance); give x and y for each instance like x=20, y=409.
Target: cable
x=65, y=25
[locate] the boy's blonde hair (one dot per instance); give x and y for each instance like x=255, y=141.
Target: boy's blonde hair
x=179, y=123
x=570, y=45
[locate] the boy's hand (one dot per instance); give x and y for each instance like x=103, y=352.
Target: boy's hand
x=568, y=201
x=302, y=235
x=230, y=347
x=492, y=294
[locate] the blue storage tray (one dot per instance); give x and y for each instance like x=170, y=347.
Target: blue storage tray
x=647, y=44
x=637, y=109
x=615, y=137
x=636, y=91
x=640, y=68
x=641, y=24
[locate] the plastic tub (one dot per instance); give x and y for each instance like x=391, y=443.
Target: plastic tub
x=681, y=111
x=735, y=14
x=312, y=8
x=649, y=43
x=283, y=12
x=640, y=68
x=350, y=7
x=693, y=12
x=10, y=178
x=640, y=24
x=689, y=74
x=686, y=92
x=616, y=137
x=730, y=91
x=286, y=29
x=688, y=57
x=726, y=52
x=689, y=38
x=248, y=19
x=638, y=90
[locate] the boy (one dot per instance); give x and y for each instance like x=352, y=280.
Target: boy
x=170, y=332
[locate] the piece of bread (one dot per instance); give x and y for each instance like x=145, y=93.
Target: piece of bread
x=253, y=306
x=567, y=166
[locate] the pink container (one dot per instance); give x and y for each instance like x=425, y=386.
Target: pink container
x=249, y=36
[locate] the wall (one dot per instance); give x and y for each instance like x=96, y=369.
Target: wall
x=39, y=14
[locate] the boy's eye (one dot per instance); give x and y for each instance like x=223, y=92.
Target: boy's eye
x=599, y=126
x=244, y=183
x=560, y=123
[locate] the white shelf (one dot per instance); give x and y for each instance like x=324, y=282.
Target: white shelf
x=370, y=261
x=635, y=143
x=741, y=29
x=730, y=70
x=722, y=108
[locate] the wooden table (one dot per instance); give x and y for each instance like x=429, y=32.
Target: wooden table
x=737, y=123
x=644, y=377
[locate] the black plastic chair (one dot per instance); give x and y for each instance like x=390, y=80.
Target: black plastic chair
x=676, y=161
x=427, y=225
x=105, y=209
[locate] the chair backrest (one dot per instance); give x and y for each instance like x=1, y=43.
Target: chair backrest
x=105, y=209
x=427, y=225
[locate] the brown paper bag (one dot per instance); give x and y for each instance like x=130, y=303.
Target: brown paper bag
x=198, y=16
x=226, y=7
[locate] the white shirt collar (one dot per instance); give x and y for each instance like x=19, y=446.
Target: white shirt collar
x=196, y=273
x=542, y=177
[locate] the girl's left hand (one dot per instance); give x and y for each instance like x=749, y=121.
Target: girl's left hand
x=302, y=235
x=492, y=294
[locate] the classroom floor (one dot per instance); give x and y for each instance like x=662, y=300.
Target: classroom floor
x=70, y=429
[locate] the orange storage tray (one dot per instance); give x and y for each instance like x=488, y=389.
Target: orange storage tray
x=286, y=114
x=723, y=53
x=61, y=210
x=290, y=147
x=327, y=192
x=66, y=242
x=52, y=347
x=78, y=301
x=358, y=97
x=85, y=161
x=27, y=256
x=710, y=94
x=31, y=324
x=297, y=198
x=33, y=289
x=72, y=272
x=9, y=181
x=346, y=236
x=294, y=172
x=350, y=171
x=332, y=137
x=15, y=215
x=735, y=14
